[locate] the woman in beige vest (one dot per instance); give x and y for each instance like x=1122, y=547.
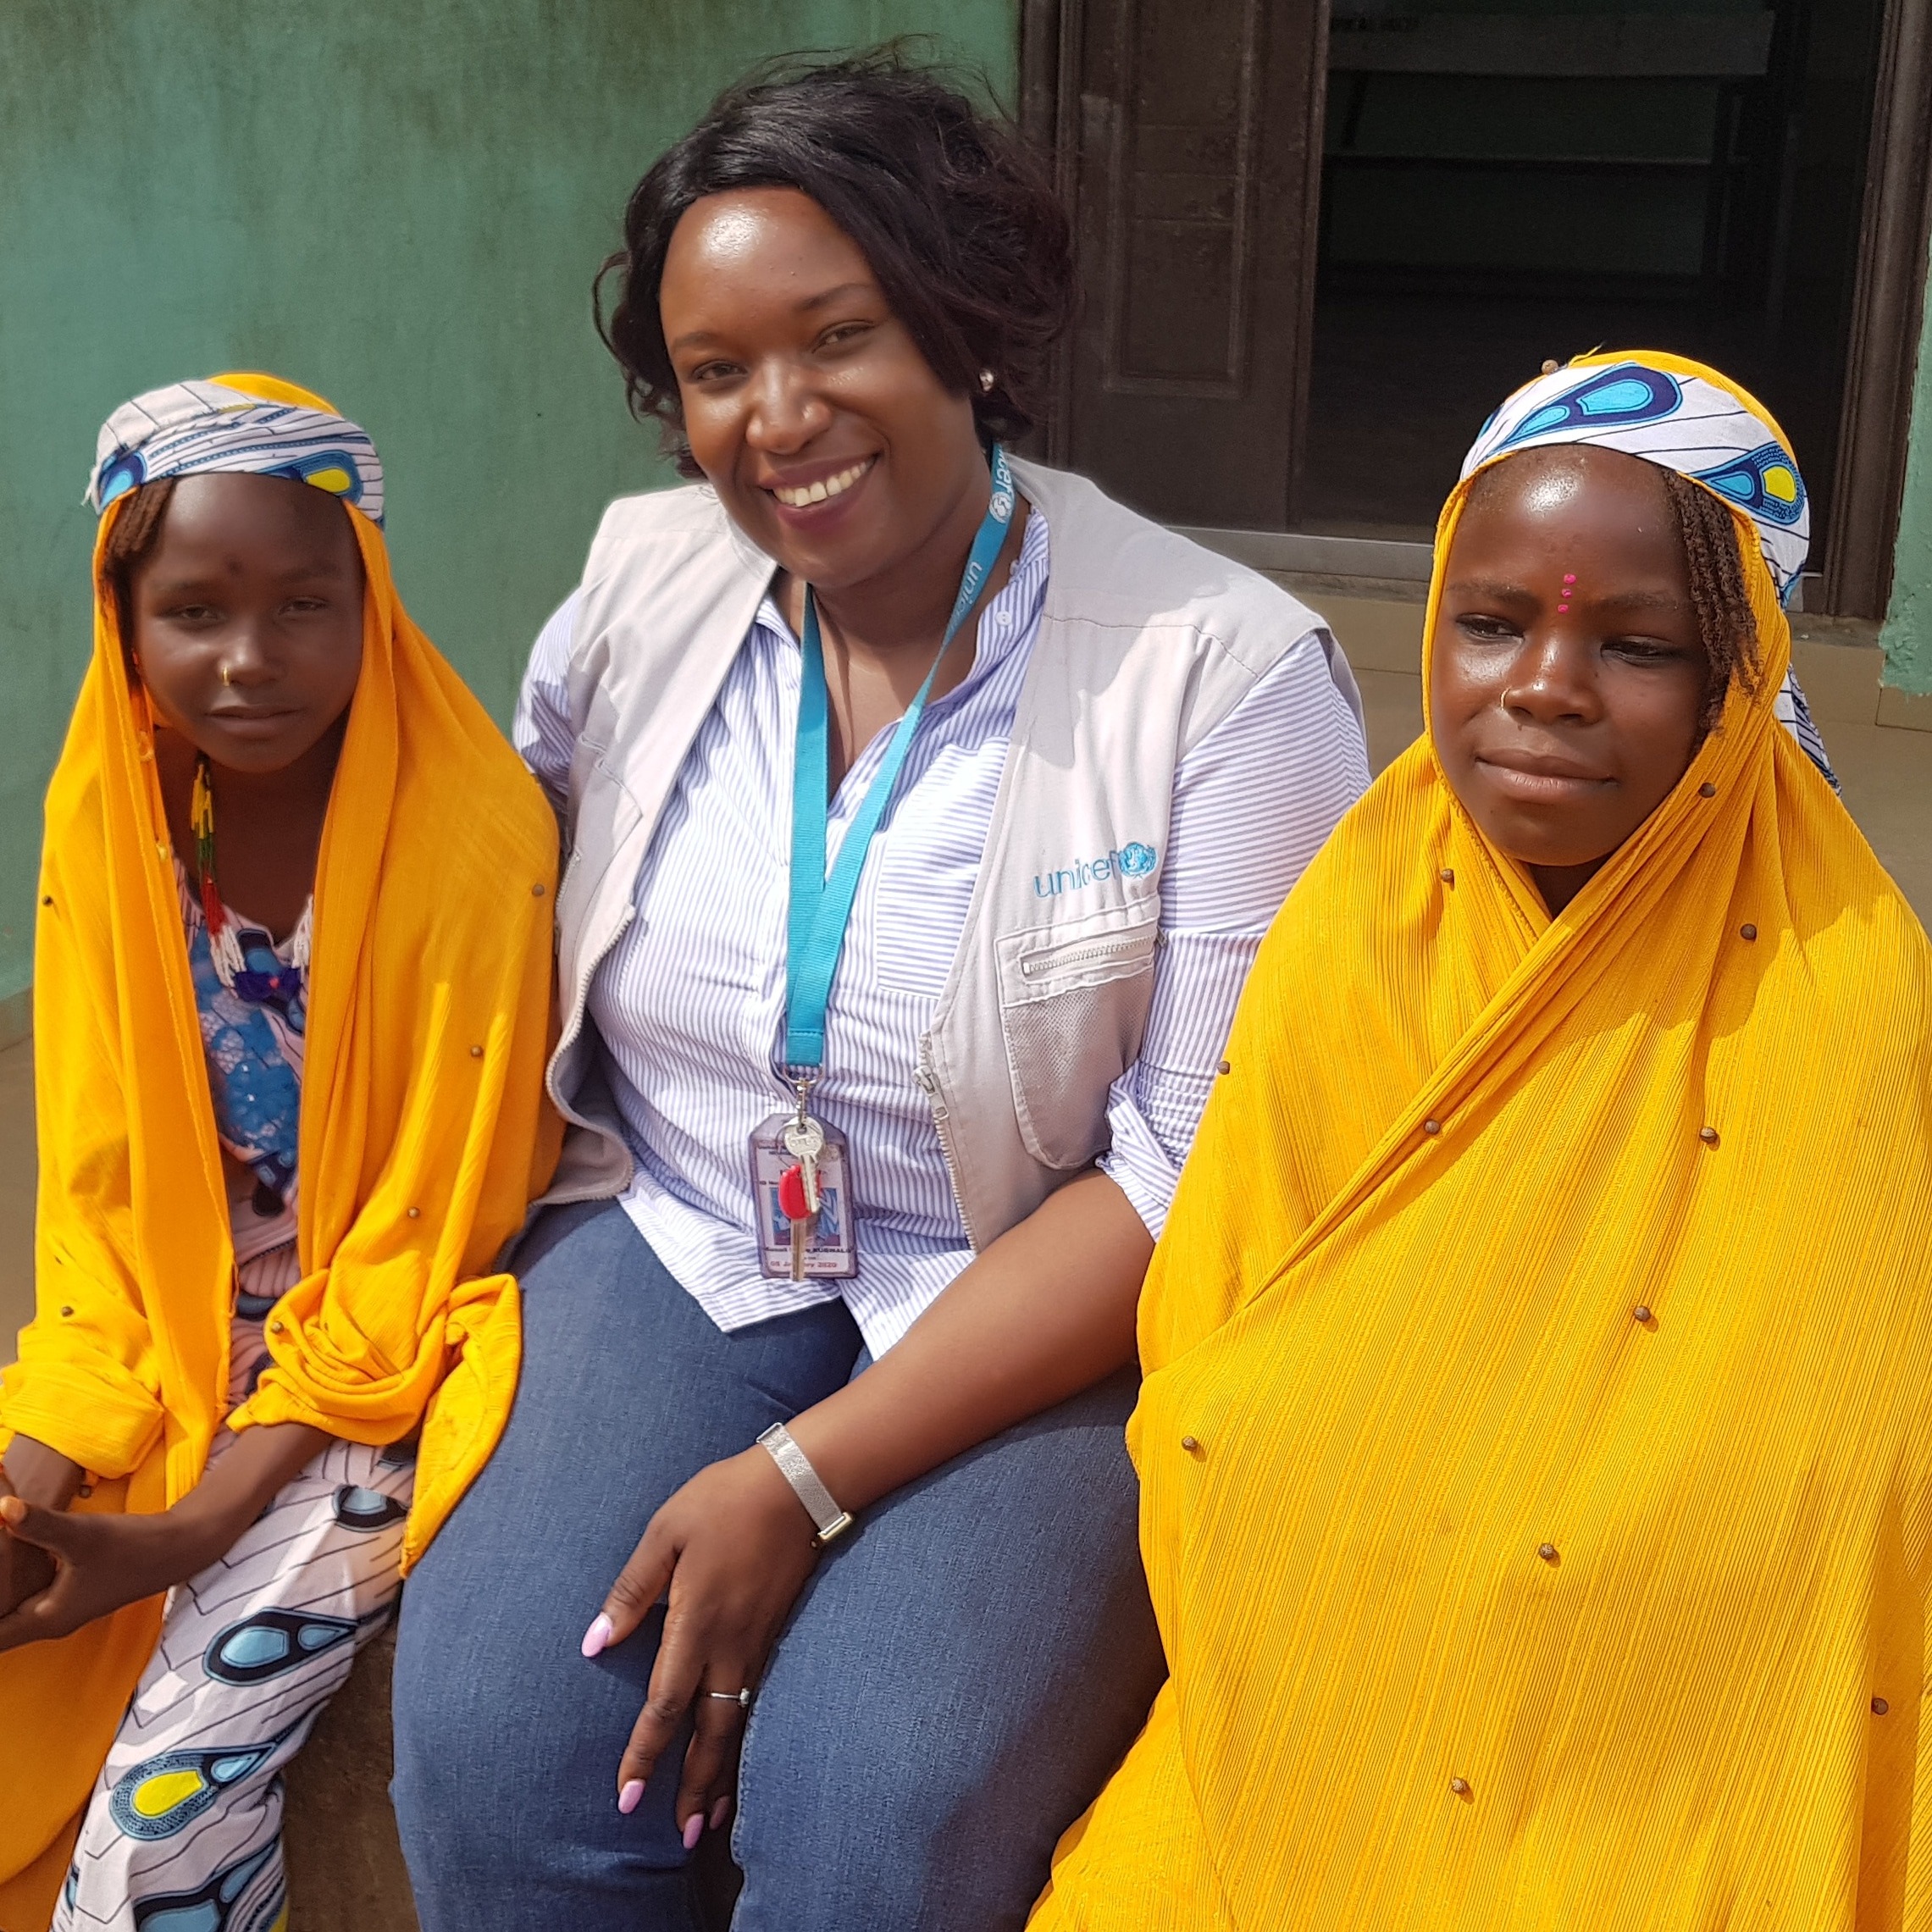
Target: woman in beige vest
x=924, y=812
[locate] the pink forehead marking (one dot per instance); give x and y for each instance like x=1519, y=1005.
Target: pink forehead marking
x=1569, y=577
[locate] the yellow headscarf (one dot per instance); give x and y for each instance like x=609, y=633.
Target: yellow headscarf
x=424, y=1136
x=1537, y=1444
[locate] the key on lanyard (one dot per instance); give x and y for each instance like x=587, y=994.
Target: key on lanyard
x=798, y=1187
x=798, y=1166
x=798, y=1182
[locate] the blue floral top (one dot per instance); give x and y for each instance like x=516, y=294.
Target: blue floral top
x=253, y=1033
x=254, y=1022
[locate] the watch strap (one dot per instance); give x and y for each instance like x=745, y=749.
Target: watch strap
x=796, y=1467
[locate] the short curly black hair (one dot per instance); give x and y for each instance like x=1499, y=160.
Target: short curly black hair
x=949, y=203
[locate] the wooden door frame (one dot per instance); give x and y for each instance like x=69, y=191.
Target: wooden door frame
x=1882, y=353
x=1049, y=46
x=1052, y=47
x=1881, y=362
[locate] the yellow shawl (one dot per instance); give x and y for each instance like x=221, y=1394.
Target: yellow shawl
x=424, y=1136
x=1492, y=1603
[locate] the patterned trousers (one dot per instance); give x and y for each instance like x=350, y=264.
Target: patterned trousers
x=183, y=1833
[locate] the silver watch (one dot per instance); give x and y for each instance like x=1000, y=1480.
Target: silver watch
x=796, y=1467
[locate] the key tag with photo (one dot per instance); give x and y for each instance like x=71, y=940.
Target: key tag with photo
x=798, y=1181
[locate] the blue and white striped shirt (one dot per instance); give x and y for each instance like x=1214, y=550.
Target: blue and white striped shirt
x=689, y=1003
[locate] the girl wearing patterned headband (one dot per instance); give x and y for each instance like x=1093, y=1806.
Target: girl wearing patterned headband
x=291, y=991
x=1536, y=1481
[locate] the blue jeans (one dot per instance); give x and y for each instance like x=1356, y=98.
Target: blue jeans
x=960, y=1675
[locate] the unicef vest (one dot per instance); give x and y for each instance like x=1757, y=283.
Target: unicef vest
x=1146, y=643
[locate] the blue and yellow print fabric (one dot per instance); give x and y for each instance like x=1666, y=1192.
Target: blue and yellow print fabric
x=184, y=1831
x=189, y=427
x=1660, y=409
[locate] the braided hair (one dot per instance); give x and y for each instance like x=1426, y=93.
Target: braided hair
x=133, y=540
x=1717, y=591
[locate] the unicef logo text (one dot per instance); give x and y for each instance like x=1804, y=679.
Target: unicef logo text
x=1130, y=861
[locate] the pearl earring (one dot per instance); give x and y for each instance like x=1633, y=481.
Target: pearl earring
x=987, y=379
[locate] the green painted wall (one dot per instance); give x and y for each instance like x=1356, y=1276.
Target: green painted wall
x=1907, y=634
x=400, y=206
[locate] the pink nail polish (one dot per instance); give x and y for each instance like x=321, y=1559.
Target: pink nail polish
x=631, y=1797
x=720, y=1811
x=599, y=1634
x=693, y=1827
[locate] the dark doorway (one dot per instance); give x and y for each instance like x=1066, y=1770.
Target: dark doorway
x=1501, y=189
x=1317, y=251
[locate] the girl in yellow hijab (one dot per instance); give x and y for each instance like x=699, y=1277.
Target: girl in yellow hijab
x=1536, y=1440
x=291, y=989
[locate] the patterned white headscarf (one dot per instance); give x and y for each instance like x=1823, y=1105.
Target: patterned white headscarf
x=1676, y=414
x=192, y=427
x=1685, y=417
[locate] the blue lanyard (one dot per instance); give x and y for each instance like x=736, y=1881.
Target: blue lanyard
x=822, y=907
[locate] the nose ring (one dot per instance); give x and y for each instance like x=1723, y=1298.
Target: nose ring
x=224, y=676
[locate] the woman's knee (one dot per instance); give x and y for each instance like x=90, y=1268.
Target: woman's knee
x=955, y=1687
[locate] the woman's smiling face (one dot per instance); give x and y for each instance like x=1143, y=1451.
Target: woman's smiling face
x=807, y=402
x=1569, y=673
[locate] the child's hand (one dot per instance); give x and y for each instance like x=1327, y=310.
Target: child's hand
x=104, y=1562
x=25, y=1571
x=42, y=1475
x=94, y=1564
